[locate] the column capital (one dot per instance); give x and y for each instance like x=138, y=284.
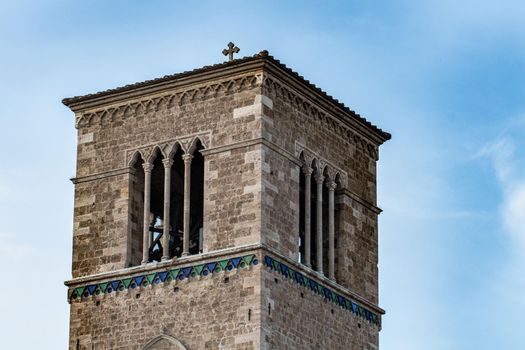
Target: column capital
x=148, y=167
x=307, y=170
x=319, y=179
x=168, y=162
x=332, y=185
x=187, y=158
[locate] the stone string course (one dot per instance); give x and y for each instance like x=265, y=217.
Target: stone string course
x=323, y=291
x=166, y=276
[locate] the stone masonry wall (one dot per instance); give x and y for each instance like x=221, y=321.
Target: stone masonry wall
x=232, y=200
x=293, y=317
x=100, y=225
x=356, y=250
x=357, y=256
x=232, y=205
x=251, y=195
x=280, y=180
x=201, y=312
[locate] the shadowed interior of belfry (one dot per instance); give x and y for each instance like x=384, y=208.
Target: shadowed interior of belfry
x=156, y=223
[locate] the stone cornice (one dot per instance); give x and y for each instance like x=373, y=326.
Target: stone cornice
x=153, y=93
x=168, y=83
x=320, y=99
x=332, y=119
x=138, y=103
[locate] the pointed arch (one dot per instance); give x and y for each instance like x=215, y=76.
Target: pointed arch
x=324, y=170
x=197, y=143
x=137, y=156
x=171, y=150
x=151, y=344
x=154, y=153
x=338, y=179
x=303, y=158
x=316, y=165
x=136, y=209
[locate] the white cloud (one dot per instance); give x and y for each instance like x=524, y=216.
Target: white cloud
x=513, y=213
x=509, y=164
x=507, y=157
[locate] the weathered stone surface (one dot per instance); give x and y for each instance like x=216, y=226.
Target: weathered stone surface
x=259, y=125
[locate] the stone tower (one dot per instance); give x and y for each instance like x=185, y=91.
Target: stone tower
x=227, y=207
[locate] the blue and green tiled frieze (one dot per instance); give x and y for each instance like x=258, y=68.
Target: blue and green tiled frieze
x=321, y=290
x=159, y=277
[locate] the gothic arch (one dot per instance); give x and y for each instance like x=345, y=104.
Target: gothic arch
x=171, y=150
x=156, y=151
x=316, y=165
x=136, y=156
x=305, y=160
x=194, y=144
x=338, y=180
x=177, y=345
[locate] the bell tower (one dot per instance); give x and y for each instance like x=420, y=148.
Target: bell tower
x=228, y=207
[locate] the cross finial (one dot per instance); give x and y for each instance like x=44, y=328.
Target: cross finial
x=230, y=50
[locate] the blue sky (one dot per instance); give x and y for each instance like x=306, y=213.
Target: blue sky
x=446, y=78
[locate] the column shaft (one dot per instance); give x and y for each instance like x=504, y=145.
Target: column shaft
x=187, y=186
x=166, y=216
x=148, y=167
x=319, y=235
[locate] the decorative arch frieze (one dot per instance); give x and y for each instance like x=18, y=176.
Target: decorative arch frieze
x=323, y=167
x=167, y=148
x=168, y=101
x=274, y=89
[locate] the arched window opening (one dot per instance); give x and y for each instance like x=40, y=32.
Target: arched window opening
x=155, y=219
x=325, y=221
x=313, y=218
x=302, y=241
x=176, y=205
x=338, y=223
x=196, y=200
x=167, y=196
x=136, y=211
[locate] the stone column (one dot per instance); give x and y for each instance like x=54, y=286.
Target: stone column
x=331, y=230
x=307, y=215
x=319, y=179
x=187, y=186
x=166, y=216
x=148, y=167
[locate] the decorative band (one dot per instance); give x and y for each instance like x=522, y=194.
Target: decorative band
x=166, y=276
x=326, y=292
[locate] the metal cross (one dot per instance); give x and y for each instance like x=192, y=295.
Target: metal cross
x=230, y=50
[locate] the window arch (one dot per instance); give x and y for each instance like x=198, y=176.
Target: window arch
x=318, y=214
x=196, y=198
x=164, y=342
x=166, y=202
x=136, y=210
